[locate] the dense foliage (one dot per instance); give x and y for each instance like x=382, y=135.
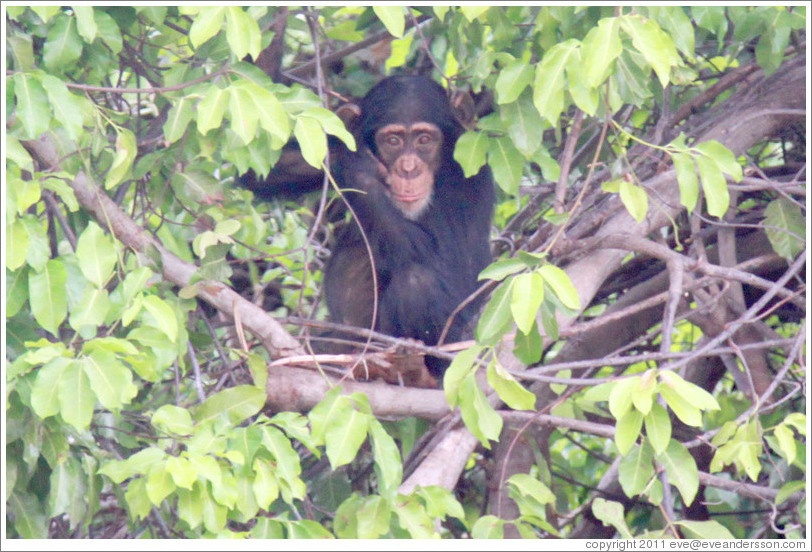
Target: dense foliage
x=639, y=369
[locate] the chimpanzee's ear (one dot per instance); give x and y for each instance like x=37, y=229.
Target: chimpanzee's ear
x=462, y=105
x=349, y=114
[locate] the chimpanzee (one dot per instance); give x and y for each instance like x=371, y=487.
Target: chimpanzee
x=427, y=225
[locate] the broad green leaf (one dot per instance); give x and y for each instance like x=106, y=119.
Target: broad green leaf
x=635, y=199
x=462, y=365
x=496, y=318
x=388, y=463
x=272, y=116
x=68, y=489
x=611, y=513
x=163, y=316
x=210, y=110
x=479, y=416
x=508, y=389
x=440, y=502
x=526, y=129
x=159, y=484
x=96, y=254
x=714, y=185
x=653, y=43
x=238, y=403
x=512, y=80
x=784, y=225
x=126, y=150
x=85, y=22
x=45, y=391
x=45, y=13
x=635, y=470
x=627, y=430
x=29, y=516
x=413, y=517
x=705, y=530
x=786, y=442
x=39, y=253
x=684, y=410
x=110, y=380
x=526, y=298
x=76, y=399
x=345, y=436
x=471, y=151
x=643, y=394
x=373, y=517
x=172, y=419
x=242, y=33
x=138, y=502
x=658, y=428
x=620, y=398
x=687, y=180
x=550, y=80
x=691, y=392
x=472, y=11
x=788, y=490
x=681, y=470
x=180, y=469
x=178, y=119
x=528, y=348
x=108, y=31
x=723, y=157
x=206, y=24
x=33, y=108
x=67, y=108
x=16, y=290
x=62, y=47
x=392, y=17
x=561, y=285
x=501, y=269
x=47, y=295
x=311, y=140
x=242, y=111
x=599, y=50
x=677, y=24
x=488, y=527
x=331, y=124
x=288, y=467
x=16, y=244
x=506, y=163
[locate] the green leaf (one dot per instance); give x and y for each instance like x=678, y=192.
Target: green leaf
x=788, y=490
x=684, y=410
x=508, y=389
x=784, y=225
x=599, y=50
x=705, y=530
x=178, y=119
x=110, y=380
x=33, y=108
x=288, y=467
x=29, y=516
x=655, y=45
x=45, y=391
x=126, y=150
x=488, y=527
x=16, y=244
x=108, y=31
x=786, y=442
x=472, y=12
x=271, y=113
x=501, y=269
x=311, y=140
x=506, y=163
x=620, y=397
x=462, y=365
x=635, y=200
x=550, y=81
x=345, y=436
x=714, y=185
x=76, y=398
x=635, y=470
x=67, y=108
x=96, y=254
x=47, y=295
x=512, y=80
x=611, y=513
x=561, y=285
x=627, y=430
x=413, y=518
x=206, y=24
x=690, y=392
x=658, y=428
x=163, y=316
x=440, y=502
x=331, y=124
x=526, y=129
x=479, y=416
x=159, y=484
x=723, y=158
x=496, y=318
x=471, y=151
x=643, y=393
x=373, y=517
x=62, y=47
x=172, y=419
x=526, y=298
x=85, y=22
x=210, y=110
x=677, y=24
x=393, y=19
x=180, y=469
x=681, y=470
x=687, y=180
x=388, y=463
x=238, y=403
x=242, y=33
x=242, y=113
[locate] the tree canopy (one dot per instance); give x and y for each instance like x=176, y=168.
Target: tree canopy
x=639, y=369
